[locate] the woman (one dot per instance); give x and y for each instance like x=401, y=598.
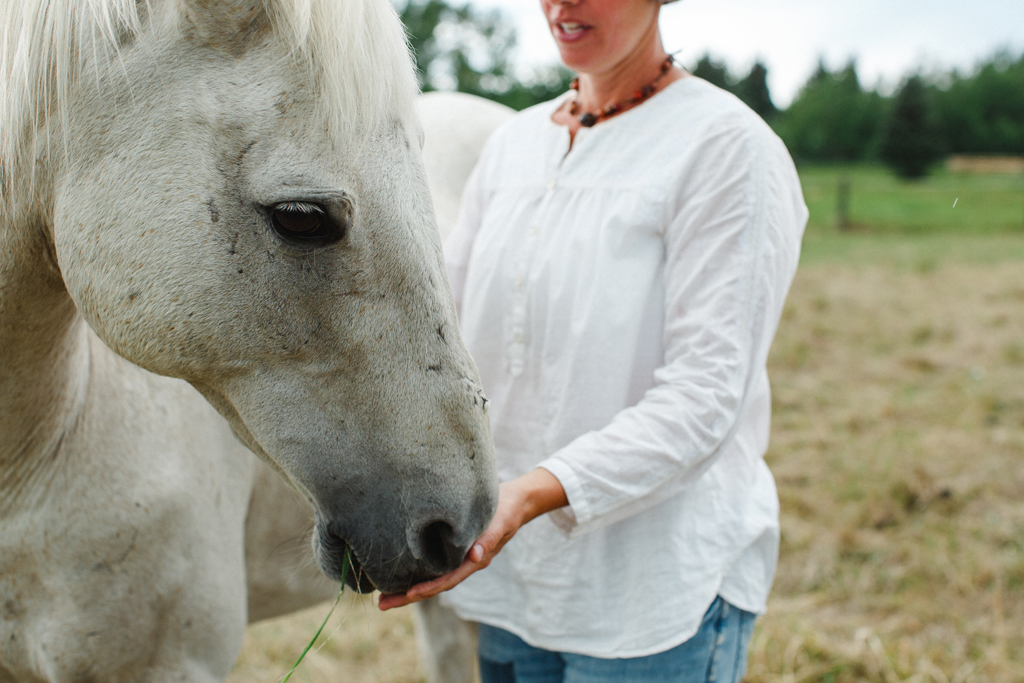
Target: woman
x=620, y=266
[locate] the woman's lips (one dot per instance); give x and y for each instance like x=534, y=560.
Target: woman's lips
x=570, y=31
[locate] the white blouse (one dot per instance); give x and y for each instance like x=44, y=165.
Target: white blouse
x=619, y=299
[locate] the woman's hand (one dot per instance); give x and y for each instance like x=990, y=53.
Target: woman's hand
x=519, y=501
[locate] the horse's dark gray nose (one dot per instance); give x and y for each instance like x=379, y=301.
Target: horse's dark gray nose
x=438, y=549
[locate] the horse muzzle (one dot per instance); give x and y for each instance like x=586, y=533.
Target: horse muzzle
x=431, y=549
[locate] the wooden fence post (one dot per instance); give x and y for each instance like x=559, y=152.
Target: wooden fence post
x=843, y=203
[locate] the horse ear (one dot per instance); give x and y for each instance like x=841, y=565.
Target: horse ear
x=229, y=24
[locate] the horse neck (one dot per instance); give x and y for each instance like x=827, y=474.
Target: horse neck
x=45, y=355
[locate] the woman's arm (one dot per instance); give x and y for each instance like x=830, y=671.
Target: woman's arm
x=731, y=250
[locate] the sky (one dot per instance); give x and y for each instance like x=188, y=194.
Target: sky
x=888, y=38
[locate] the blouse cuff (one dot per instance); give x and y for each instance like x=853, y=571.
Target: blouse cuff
x=567, y=518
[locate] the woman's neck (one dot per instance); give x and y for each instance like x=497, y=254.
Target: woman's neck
x=618, y=83
x=601, y=88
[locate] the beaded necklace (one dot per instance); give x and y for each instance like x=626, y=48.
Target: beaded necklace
x=588, y=119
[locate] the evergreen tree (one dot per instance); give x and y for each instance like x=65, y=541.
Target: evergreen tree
x=821, y=74
x=833, y=119
x=911, y=142
x=753, y=90
x=713, y=72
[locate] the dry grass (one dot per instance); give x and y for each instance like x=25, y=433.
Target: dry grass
x=898, y=444
x=359, y=645
x=899, y=450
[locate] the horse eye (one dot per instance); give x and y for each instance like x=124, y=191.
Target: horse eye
x=300, y=221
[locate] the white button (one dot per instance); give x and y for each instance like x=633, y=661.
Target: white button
x=519, y=282
x=533, y=229
x=552, y=184
x=518, y=338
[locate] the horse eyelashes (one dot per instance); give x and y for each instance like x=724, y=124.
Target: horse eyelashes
x=299, y=221
x=306, y=224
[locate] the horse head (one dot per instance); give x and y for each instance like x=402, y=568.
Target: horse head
x=238, y=200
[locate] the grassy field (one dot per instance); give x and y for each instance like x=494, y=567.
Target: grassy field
x=898, y=446
x=985, y=204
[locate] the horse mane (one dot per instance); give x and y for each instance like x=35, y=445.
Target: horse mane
x=356, y=52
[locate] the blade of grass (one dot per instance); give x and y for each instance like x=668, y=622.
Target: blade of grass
x=345, y=562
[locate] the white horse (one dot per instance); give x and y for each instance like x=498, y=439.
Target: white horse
x=217, y=199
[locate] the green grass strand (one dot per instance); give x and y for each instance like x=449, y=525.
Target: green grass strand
x=344, y=573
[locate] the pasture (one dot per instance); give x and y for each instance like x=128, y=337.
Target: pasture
x=986, y=203
x=898, y=447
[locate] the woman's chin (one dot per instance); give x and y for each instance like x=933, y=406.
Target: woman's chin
x=575, y=58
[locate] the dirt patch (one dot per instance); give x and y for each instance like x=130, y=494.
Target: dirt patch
x=982, y=164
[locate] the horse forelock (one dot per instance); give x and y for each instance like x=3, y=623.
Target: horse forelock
x=355, y=50
x=359, y=55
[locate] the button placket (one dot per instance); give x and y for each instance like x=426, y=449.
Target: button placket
x=520, y=296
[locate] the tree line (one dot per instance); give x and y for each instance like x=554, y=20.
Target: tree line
x=832, y=119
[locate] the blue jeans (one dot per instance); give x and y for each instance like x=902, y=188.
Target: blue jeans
x=717, y=652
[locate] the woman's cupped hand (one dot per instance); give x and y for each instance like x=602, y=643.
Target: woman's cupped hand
x=519, y=501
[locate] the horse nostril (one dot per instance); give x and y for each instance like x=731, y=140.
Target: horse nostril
x=439, y=550
x=332, y=542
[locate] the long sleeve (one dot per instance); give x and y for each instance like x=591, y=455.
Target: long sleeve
x=730, y=253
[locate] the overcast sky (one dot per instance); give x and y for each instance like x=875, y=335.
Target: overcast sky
x=889, y=38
